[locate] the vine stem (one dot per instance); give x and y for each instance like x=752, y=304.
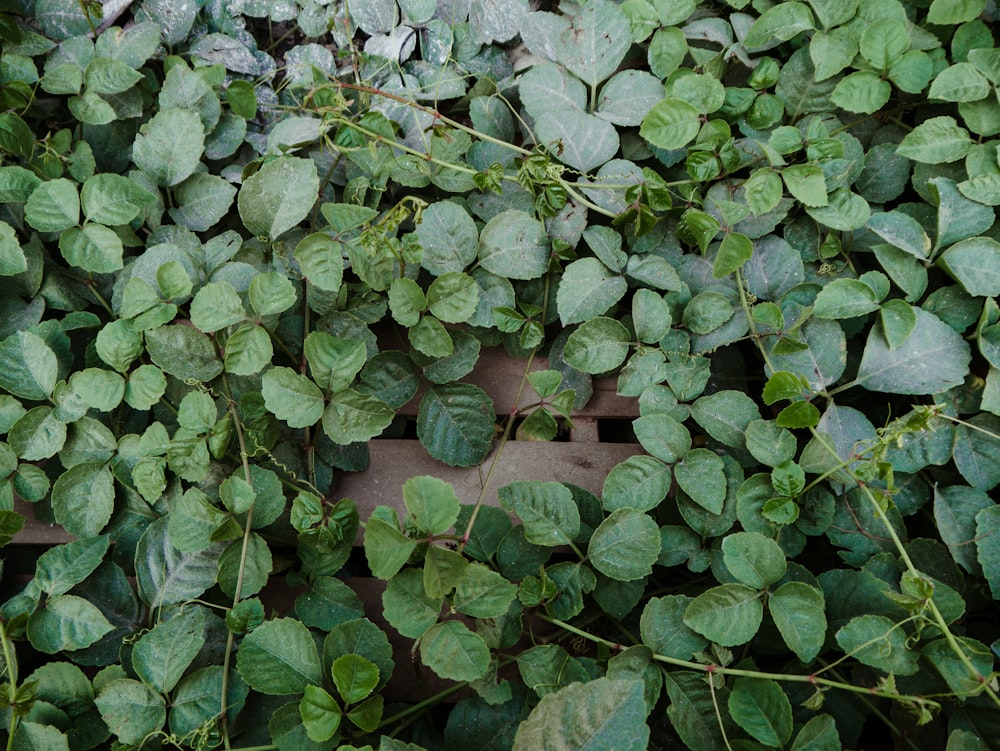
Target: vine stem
x=506, y=432
x=570, y=190
x=230, y=636
x=11, y=665
x=811, y=679
x=938, y=618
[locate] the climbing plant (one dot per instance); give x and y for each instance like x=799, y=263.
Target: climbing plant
x=236, y=238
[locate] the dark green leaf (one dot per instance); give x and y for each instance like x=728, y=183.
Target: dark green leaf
x=601, y=715
x=279, y=657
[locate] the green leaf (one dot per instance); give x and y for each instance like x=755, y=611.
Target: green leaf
x=883, y=42
x=799, y=613
x=662, y=436
x=671, y=124
x=707, y=311
x=161, y=656
x=429, y=337
x=83, y=498
x=32, y=736
x=248, y=350
x=169, y=146
x=454, y=652
x=202, y=200
x=548, y=87
x=628, y=96
x=987, y=536
x=728, y=615
x=279, y=657
x=806, y=183
x=320, y=714
x=845, y=298
x=734, y=251
x=901, y=231
x=93, y=248
x=15, y=135
x=663, y=629
x=431, y=503
x=831, y=51
x=597, y=346
x=28, y=367
x=37, y=435
x=250, y=569
x=333, y=360
x=183, y=352
x=975, y=264
x=846, y=211
x=321, y=261
x=960, y=82
x=599, y=715
x=954, y=669
x=755, y=560
x=53, y=206
x=581, y=141
x=819, y=734
x=216, y=306
x=351, y=416
x=131, y=710
x=625, y=545
x=407, y=606
x=61, y=568
x=595, y=44
x=958, y=217
x=876, y=641
x=936, y=140
x=355, y=677
x=514, y=245
x=977, y=451
x=725, y=415
x=907, y=368
x=278, y=196
x=779, y=24
x=700, y=475
x=651, y=316
x=453, y=297
x=863, y=91
x=547, y=510
x=455, y=423
x=448, y=236
x=954, y=11
x=66, y=622
x=292, y=397
x=483, y=593
x=166, y=575
x=955, y=511
x=12, y=259
x=587, y=289
x=762, y=709
x=327, y=603
x=386, y=548
x=112, y=199
x=763, y=190
x=406, y=301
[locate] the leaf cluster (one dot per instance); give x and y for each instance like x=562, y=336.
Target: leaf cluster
x=239, y=241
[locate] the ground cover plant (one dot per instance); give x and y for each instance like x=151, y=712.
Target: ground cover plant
x=236, y=237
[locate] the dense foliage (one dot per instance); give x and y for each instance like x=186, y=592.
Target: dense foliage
x=237, y=237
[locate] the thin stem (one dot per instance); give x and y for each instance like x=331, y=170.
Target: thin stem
x=785, y=677
x=11, y=663
x=230, y=636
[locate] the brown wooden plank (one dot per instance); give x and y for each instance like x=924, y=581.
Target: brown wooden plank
x=36, y=532
x=395, y=461
x=499, y=375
